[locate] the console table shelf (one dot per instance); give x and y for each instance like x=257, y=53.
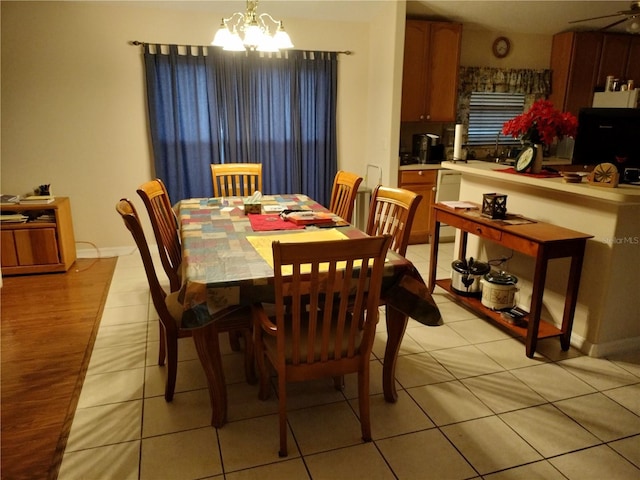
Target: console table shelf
x=540, y=240
x=545, y=329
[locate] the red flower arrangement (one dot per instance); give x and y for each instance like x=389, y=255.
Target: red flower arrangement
x=541, y=124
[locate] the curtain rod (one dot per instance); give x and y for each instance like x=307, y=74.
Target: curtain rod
x=136, y=43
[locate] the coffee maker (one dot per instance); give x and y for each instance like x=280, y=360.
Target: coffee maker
x=427, y=148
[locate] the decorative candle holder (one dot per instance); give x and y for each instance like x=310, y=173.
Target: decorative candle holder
x=494, y=205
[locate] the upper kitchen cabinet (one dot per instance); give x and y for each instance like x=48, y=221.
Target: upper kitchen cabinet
x=613, y=59
x=581, y=62
x=430, y=71
x=633, y=64
x=575, y=61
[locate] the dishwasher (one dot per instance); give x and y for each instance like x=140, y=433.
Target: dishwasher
x=447, y=189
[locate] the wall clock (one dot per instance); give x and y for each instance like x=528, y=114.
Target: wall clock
x=501, y=47
x=525, y=158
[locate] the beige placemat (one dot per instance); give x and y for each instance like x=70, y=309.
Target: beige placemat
x=262, y=243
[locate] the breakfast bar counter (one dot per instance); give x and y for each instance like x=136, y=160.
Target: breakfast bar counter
x=607, y=307
x=626, y=194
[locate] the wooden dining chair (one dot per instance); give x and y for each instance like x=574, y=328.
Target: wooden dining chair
x=165, y=228
x=170, y=312
x=322, y=290
x=236, y=179
x=391, y=213
x=343, y=194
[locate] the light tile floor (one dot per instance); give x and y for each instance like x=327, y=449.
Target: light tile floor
x=470, y=405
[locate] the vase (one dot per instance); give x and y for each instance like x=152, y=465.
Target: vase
x=536, y=166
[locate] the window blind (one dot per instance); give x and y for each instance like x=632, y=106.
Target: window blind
x=487, y=113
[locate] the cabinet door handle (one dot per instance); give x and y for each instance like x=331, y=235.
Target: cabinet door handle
x=478, y=230
x=433, y=189
x=420, y=173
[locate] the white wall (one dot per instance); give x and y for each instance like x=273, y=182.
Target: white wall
x=527, y=50
x=73, y=98
x=73, y=94
x=385, y=87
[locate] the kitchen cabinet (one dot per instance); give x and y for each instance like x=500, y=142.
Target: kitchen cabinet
x=581, y=62
x=422, y=182
x=613, y=58
x=633, y=63
x=38, y=246
x=575, y=61
x=430, y=71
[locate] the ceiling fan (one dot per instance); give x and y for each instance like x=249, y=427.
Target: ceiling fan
x=632, y=13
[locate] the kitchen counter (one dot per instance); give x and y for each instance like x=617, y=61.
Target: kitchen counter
x=548, y=161
x=627, y=194
x=421, y=166
x=608, y=302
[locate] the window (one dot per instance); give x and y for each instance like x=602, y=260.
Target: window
x=487, y=113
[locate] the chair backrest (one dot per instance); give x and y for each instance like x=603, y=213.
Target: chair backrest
x=132, y=221
x=391, y=213
x=343, y=194
x=323, y=290
x=165, y=228
x=236, y=179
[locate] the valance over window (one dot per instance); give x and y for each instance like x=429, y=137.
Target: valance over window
x=505, y=80
x=534, y=84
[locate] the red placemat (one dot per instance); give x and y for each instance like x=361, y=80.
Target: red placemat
x=542, y=174
x=271, y=222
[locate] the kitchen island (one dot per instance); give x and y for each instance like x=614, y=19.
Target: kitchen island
x=606, y=314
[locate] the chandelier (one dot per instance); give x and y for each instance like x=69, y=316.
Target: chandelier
x=242, y=31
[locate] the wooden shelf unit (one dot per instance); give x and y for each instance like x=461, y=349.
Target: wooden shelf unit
x=35, y=246
x=540, y=240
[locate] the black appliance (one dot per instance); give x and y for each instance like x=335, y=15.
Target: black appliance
x=427, y=147
x=608, y=135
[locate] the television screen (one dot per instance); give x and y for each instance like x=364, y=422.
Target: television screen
x=608, y=135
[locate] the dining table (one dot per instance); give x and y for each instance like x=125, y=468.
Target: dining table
x=227, y=265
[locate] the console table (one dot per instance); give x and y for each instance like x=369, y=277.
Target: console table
x=540, y=240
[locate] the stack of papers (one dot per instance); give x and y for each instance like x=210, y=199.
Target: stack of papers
x=459, y=204
x=47, y=218
x=9, y=199
x=13, y=218
x=309, y=217
x=37, y=199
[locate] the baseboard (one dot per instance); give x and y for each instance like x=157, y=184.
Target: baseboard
x=606, y=349
x=95, y=252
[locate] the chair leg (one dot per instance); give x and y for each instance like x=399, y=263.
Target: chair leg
x=234, y=340
x=263, y=372
x=363, y=403
x=207, y=342
x=249, y=357
x=172, y=368
x=162, y=351
x=282, y=413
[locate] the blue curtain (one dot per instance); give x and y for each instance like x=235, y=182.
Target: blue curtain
x=208, y=106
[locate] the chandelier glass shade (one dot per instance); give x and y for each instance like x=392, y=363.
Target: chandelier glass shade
x=250, y=31
x=633, y=25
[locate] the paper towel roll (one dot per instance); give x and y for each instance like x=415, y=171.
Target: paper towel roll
x=457, y=143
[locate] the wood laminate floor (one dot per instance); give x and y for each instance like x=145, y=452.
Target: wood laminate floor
x=48, y=326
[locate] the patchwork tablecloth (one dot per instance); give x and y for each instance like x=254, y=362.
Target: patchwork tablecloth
x=221, y=268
